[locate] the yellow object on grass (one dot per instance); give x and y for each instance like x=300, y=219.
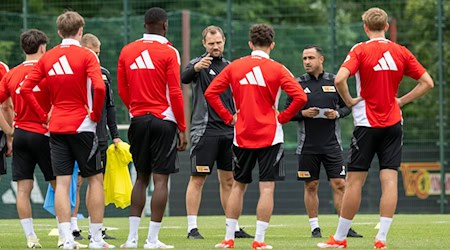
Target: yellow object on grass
x=117, y=181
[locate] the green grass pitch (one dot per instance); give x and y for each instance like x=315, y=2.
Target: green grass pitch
x=285, y=232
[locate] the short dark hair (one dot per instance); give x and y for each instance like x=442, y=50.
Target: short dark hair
x=313, y=46
x=30, y=41
x=155, y=15
x=262, y=35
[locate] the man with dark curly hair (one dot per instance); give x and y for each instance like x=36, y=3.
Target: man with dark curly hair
x=256, y=82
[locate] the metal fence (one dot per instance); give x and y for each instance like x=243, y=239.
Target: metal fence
x=335, y=25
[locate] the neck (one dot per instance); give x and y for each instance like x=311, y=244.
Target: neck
x=265, y=49
x=376, y=34
x=317, y=73
x=33, y=57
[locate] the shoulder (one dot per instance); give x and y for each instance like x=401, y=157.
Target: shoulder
x=105, y=71
x=304, y=78
x=329, y=76
x=195, y=60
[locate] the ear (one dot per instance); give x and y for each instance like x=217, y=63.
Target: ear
x=80, y=32
x=272, y=45
x=250, y=44
x=322, y=59
x=387, y=27
x=42, y=48
x=59, y=34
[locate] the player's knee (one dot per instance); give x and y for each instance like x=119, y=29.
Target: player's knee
x=312, y=186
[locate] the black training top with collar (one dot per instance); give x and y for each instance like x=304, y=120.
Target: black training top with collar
x=319, y=135
x=204, y=120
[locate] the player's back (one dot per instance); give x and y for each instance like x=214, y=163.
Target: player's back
x=255, y=81
x=382, y=65
x=25, y=117
x=148, y=66
x=66, y=68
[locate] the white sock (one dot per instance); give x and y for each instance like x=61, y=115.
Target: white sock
x=342, y=229
x=153, y=231
x=261, y=228
x=60, y=232
x=27, y=225
x=237, y=228
x=134, y=227
x=65, y=230
x=230, y=226
x=95, y=230
x=192, y=222
x=385, y=224
x=74, y=224
x=314, y=223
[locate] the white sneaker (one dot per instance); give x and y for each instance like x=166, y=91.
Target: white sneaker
x=33, y=242
x=157, y=245
x=61, y=244
x=100, y=244
x=129, y=244
x=69, y=245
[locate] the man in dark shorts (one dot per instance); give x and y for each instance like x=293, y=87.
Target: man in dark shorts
x=319, y=136
x=77, y=93
x=148, y=76
x=3, y=138
x=379, y=66
x=31, y=141
x=256, y=82
x=211, y=138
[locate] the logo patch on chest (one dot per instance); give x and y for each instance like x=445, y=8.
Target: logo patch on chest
x=328, y=89
x=211, y=72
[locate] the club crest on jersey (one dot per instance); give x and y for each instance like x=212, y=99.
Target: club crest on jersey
x=328, y=89
x=303, y=174
x=254, y=77
x=202, y=169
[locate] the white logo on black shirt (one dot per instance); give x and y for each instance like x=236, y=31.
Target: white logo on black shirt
x=254, y=77
x=211, y=72
x=143, y=61
x=61, y=67
x=307, y=91
x=386, y=63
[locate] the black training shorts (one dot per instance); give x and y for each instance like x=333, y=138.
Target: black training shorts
x=385, y=142
x=30, y=149
x=65, y=149
x=153, y=144
x=206, y=150
x=309, y=166
x=270, y=161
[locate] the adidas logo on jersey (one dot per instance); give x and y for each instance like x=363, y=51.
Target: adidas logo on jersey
x=386, y=63
x=143, y=61
x=307, y=91
x=211, y=72
x=61, y=67
x=254, y=77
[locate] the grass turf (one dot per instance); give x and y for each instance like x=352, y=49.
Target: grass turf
x=285, y=232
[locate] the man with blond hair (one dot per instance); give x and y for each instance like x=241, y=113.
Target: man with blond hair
x=108, y=118
x=379, y=66
x=77, y=92
x=211, y=138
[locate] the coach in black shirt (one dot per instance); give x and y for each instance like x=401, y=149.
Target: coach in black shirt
x=319, y=136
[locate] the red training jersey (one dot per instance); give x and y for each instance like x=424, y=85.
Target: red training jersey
x=25, y=118
x=72, y=73
x=256, y=82
x=148, y=79
x=3, y=69
x=379, y=66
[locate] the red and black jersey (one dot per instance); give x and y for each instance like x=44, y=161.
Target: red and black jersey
x=379, y=66
x=72, y=73
x=256, y=82
x=148, y=78
x=10, y=86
